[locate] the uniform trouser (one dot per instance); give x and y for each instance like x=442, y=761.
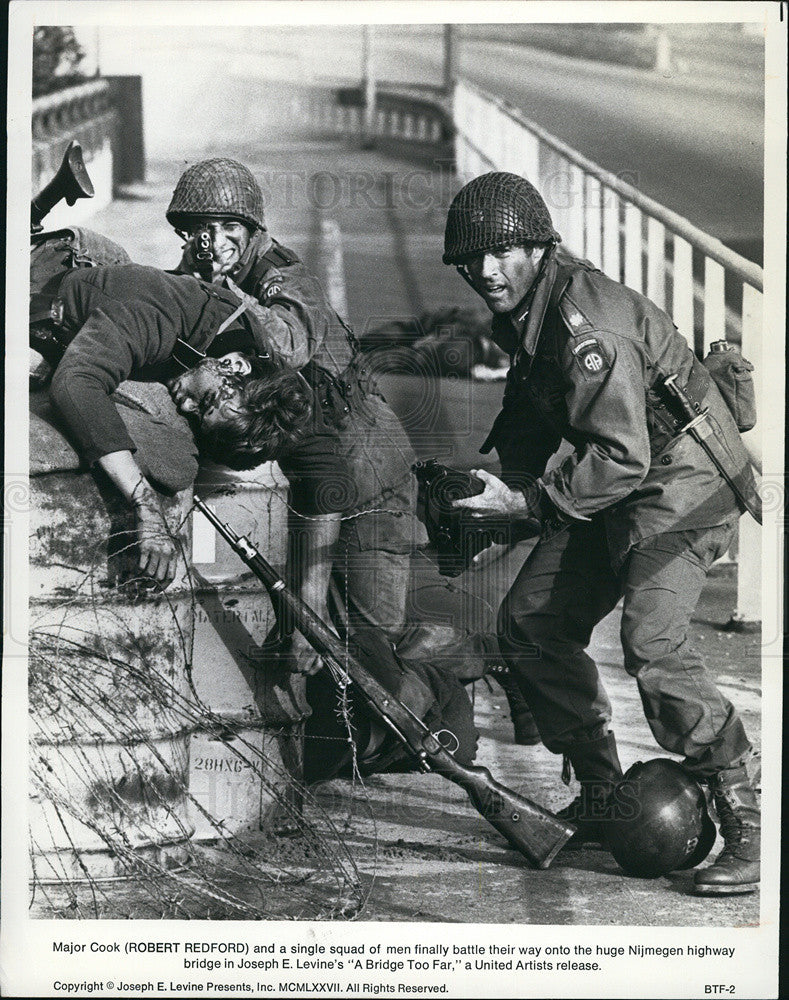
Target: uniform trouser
x=370, y=587
x=327, y=750
x=566, y=586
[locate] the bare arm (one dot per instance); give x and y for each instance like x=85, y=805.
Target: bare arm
x=158, y=551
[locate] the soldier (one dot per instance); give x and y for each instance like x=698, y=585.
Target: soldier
x=217, y=206
x=100, y=325
x=638, y=510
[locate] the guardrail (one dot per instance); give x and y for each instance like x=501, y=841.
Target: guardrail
x=84, y=112
x=709, y=291
x=407, y=114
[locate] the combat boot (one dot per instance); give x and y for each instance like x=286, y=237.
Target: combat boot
x=736, y=869
x=596, y=766
x=524, y=727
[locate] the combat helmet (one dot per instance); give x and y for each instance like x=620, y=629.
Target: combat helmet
x=220, y=187
x=659, y=820
x=495, y=211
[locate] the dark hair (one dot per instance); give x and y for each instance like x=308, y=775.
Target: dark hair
x=274, y=410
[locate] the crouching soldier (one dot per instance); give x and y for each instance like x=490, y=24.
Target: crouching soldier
x=218, y=208
x=102, y=325
x=640, y=510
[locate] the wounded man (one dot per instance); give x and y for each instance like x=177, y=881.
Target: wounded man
x=101, y=325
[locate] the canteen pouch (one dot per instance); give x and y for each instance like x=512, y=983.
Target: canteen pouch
x=733, y=376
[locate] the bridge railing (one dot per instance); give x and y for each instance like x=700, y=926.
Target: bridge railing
x=410, y=116
x=84, y=112
x=709, y=291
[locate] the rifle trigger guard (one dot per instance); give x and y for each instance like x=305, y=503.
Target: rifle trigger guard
x=447, y=744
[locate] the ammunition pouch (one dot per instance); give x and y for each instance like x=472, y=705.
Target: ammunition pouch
x=733, y=376
x=49, y=333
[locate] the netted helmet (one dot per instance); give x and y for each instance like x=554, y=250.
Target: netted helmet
x=219, y=187
x=496, y=211
x=660, y=821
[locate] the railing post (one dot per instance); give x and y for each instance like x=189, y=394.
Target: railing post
x=575, y=207
x=656, y=262
x=450, y=56
x=682, y=309
x=612, y=264
x=593, y=244
x=752, y=350
x=749, y=571
x=369, y=87
x=633, y=248
x=714, y=302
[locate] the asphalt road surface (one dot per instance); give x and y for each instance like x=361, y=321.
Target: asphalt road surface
x=693, y=141
x=694, y=144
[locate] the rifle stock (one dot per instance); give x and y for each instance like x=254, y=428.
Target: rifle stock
x=533, y=831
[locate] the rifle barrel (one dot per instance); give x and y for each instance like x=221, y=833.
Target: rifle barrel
x=533, y=831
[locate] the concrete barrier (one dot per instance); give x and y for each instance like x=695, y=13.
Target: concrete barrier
x=241, y=775
x=109, y=746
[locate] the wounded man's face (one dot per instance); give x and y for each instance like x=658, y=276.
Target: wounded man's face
x=209, y=394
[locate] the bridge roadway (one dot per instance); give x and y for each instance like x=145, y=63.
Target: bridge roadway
x=425, y=852
x=693, y=141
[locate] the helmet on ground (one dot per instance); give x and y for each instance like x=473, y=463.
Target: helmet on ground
x=495, y=211
x=659, y=820
x=219, y=187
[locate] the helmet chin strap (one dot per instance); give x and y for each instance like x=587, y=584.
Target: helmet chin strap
x=462, y=270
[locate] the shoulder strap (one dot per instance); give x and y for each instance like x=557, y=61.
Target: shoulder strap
x=276, y=256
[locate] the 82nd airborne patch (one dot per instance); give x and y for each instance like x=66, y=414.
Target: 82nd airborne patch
x=591, y=358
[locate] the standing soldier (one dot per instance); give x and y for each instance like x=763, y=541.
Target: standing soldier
x=639, y=510
x=217, y=206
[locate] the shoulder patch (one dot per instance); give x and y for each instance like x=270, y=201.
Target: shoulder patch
x=591, y=358
x=272, y=286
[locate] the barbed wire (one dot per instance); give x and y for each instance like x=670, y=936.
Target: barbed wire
x=111, y=720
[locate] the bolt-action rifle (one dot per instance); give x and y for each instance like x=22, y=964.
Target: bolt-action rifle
x=204, y=255
x=529, y=828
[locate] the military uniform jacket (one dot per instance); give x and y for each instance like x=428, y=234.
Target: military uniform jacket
x=126, y=321
x=588, y=359
x=293, y=320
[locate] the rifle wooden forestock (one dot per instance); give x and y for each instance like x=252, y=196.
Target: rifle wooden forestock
x=533, y=831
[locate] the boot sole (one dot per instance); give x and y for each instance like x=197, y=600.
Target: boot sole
x=725, y=890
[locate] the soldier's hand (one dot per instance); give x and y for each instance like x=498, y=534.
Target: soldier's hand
x=299, y=656
x=496, y=500
x=158, y=548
